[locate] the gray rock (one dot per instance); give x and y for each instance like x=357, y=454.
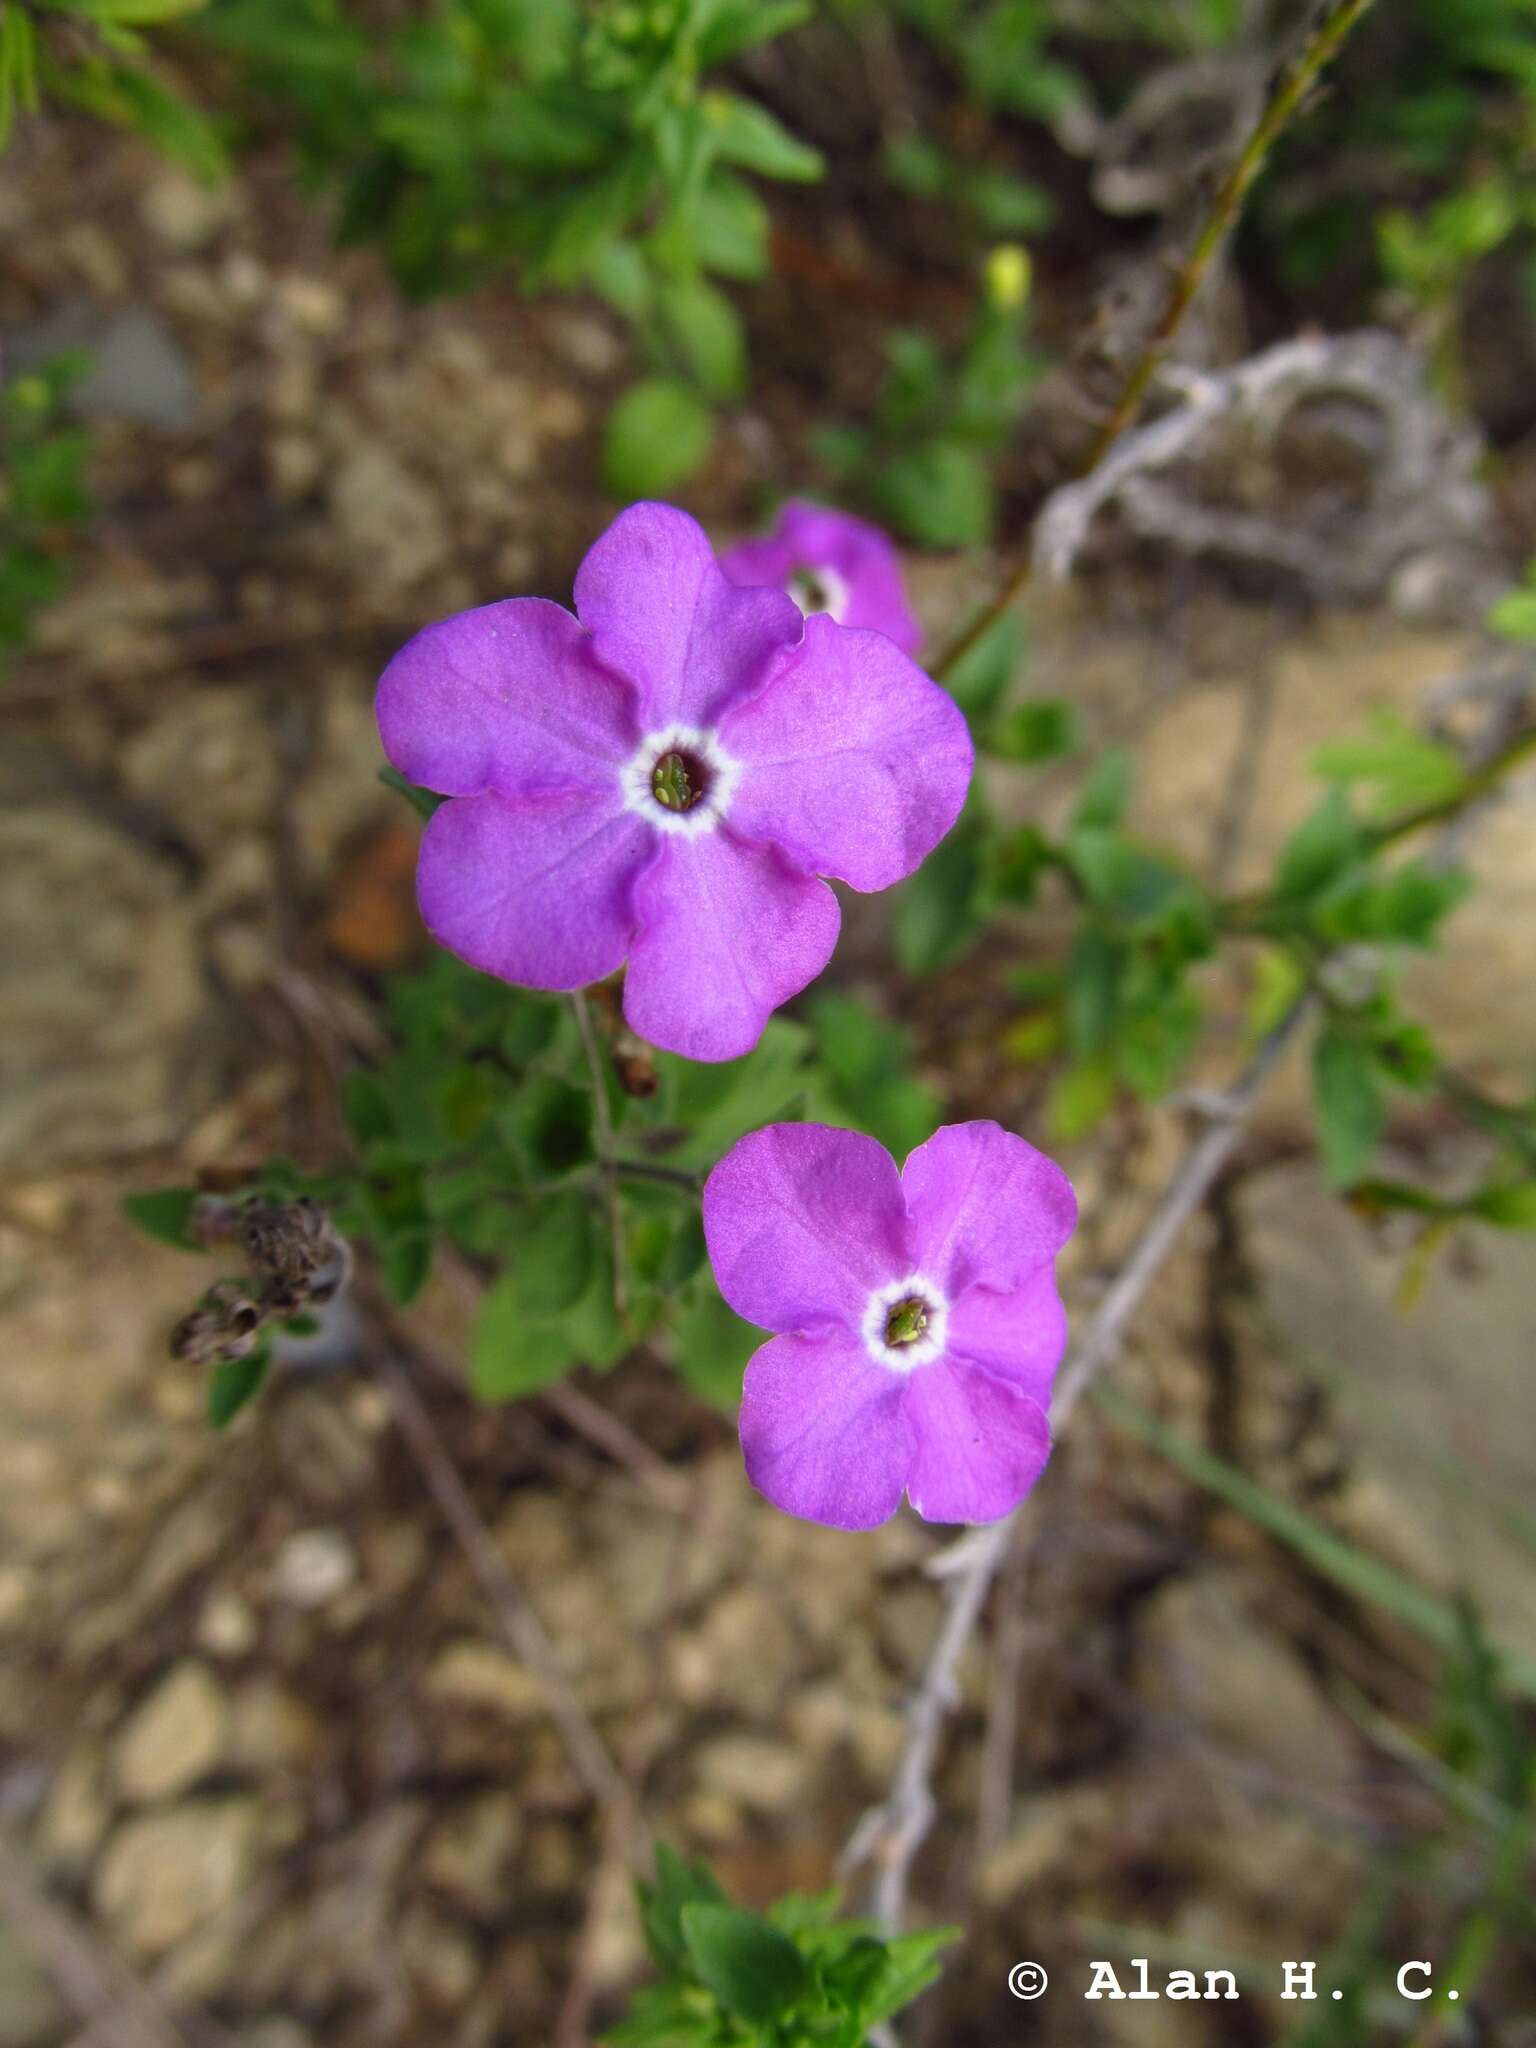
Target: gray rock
x=167, y=1872
x=174, y=1736
x=138, y=370
x=1440, y=1402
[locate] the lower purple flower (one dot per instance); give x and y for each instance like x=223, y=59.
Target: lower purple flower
x=919, y=1323
x=830, y=562
x=664, y=779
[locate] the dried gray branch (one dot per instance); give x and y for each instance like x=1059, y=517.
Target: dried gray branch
x=1326, y=458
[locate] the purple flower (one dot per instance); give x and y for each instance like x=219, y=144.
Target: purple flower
x=919, y=1323
x=662, y=779
x=830, y=562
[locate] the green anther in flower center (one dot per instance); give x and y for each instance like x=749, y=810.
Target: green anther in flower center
x=810, y=592
x=907, y=1321
x=671, y=784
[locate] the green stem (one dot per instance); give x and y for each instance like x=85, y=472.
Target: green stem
x=1285, y=99
x=602, y=1120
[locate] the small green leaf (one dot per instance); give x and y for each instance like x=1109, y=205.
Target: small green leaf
x=1511, y=1207
x=425, y=801
x=744, y=133
x=979, y=678
x=939, y=493
x=756, y=1972
x=1514, y=616
x=234, y=1382
x=1081, y=1098
x=707, y=330
x=1042, y=730
x=1350, y=1108
x=404, y=1263
x=679, y=1883
x=940, y=911
x=1325, y=845
x=166, y=1214
x=1095, y=970
x=713, y=1345
x=1405, y=767
x=658, y=434
x=554, y=1252
x=1105, y=793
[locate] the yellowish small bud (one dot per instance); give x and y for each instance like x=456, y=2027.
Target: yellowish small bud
x=1009, y=275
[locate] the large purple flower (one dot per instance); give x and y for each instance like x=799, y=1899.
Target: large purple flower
x=662, y=779
x=830, y=562
x=919, y=1323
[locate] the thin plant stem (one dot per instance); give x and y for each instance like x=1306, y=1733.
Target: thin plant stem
x=1289, y=91
x=602, y=1119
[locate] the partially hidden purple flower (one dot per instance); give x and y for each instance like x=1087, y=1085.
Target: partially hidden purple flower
x=662, y=779
x=830, y=562
x=918, y=1318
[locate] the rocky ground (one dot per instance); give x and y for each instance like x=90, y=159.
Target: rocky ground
x=263, y=1738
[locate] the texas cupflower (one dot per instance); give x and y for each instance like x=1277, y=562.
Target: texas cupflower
x=830, y=562
x=663, y=778
x=918, y=1318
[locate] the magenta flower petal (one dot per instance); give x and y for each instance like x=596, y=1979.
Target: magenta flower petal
x=851, y=758
x=979, y=1444
x=660, y=613
x=823, y=1431
x=987, y=1209
x=534, y=889
x=829, y=561
x=727, y=931
x=1018, y=1337
x=506, y=697
x=803, y=1223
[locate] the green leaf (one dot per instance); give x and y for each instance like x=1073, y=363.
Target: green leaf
x=727, y=27
x=550, y=1121
x=166, y=1214
x=234, y=1382
x=941, y=910
x=1406, y=767
x=979, y=678
x=554, y=1254
x=911, y=1965
x=425, y=801
x=1081, y=1098
x=756, y=1972
x=938, y=493
x=679, y=1883
x=706, y=329
x=715, y=1104
x=133, y=99
x=731, y=228
x=713, y=1345
x=658, y=434
x=1095, y=970
x=137, y=13
x=404, y=1263
x=509, y=1356
x=1325, y=845
x=1514, y=616
x=1105, y=793
x=1350, y=1108
x=1511, y=1207
x=1043, y=730
x=746, y=134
